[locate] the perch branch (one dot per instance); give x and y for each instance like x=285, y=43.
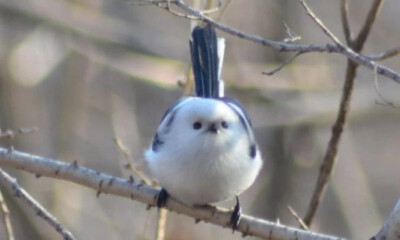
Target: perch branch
x=104, y=183
x=20, y=193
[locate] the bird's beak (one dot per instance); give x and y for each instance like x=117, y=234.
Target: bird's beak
x=213, y=128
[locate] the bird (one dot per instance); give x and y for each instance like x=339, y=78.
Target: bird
x=204, y=150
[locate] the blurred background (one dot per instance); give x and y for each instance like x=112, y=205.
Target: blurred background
x=87, y=71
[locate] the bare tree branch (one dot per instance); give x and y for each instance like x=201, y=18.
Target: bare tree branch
x=294, y=213
x=332, y=148
x=6, y=218
x=358, y=43
x=292, y=47
x=98, y=32
x=10, y=134
x=161, y=223
x=292, y=37
x=128, y=188
x=20, y=193
x=289, y=60
x=320, y=24
x=344, y=11
x=344, y=109
x=384, y=101
x=385, y=55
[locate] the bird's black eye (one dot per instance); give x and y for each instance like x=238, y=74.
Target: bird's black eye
x=196, y=125
x=224, y=124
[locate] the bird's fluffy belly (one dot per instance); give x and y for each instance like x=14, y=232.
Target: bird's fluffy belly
x=204, y=178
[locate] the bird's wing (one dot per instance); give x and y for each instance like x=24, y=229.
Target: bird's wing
x=166, y=123
x=245, y=121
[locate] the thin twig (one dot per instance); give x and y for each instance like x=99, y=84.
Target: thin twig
x=209, y=9
x=161, y=223
x=178, y=14
x=332, y=148
x=128, y=163
x=344, y=11
x=289, y=60
x=294, y=213
x=10, y=134
x=162, y=213
x=320, y=24
x=385, y=55
x=223, y=9
x=344, y=108
x=60, y=20
x=292, y=47
x=292, y=37
x=145, y=2
x=6, y=218
x=122, y=187
x=366, y=28
x=20, y=193
x=384, y=101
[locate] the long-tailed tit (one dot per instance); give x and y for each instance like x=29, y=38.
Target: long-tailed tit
x=204, y=150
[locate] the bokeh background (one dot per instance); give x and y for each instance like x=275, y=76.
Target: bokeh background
x=87, y=71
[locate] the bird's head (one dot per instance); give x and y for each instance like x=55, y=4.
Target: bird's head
x=209, y=120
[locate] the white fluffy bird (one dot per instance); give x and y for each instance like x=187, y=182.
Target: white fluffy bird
x=204, y=150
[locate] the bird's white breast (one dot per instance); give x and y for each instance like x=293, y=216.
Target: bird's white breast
x=197, y=167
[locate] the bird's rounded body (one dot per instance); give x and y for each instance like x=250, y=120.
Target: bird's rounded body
x=204, y=151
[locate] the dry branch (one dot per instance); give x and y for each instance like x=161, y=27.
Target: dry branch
x=6, y=218
x=56, y=16
x=387, y=54
x=20, y=193
x=358, y=43
x=344, y=107
x=128, y=188
x=344, y=11
x=283, y=46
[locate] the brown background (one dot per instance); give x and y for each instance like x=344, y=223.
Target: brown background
x=84, y=72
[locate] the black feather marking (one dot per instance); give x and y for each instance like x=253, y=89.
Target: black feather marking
x=239, y=105
x=244, y=120
x=253, y=151
x=157, y=143
x=204, y=52
x=168, y=125
x=170, y=110
x=242, y=114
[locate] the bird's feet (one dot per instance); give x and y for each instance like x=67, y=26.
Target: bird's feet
x=235, y=216
x=162, y=198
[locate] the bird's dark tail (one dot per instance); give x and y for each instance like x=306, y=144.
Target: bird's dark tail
x=206, y=63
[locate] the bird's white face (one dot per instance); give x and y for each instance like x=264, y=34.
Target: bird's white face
x=208, y=121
